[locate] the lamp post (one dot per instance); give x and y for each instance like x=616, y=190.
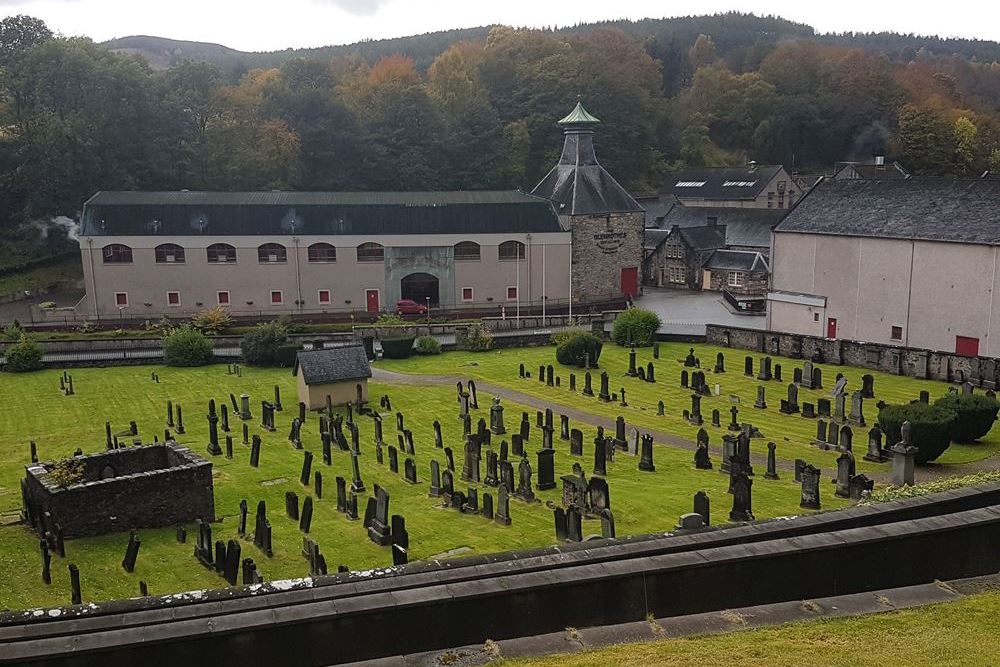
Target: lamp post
x=428, y=299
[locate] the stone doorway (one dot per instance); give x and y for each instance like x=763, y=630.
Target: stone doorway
x=419, y=286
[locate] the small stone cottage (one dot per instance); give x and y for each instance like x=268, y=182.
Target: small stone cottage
x=340, y=372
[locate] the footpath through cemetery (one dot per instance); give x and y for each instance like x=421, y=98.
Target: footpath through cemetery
x=151, y=481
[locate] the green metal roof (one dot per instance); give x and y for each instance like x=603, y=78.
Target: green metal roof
x=579, y=116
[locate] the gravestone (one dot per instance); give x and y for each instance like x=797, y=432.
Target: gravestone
x=492, y=469
x=410, y=471
x=576, y=442
x=305, y=521
x=765, y=369
x=846, y=438
x=797, y=375
x=859, y=486
x=605, y=394
x=867, y=386
x=840, y=387
x=720, y=363
x=760, y=403
x=650, y=372
x=875, y=453
x=600, y=455
x=810, y=476
x=660, y=409
x=546, y=469
x=588, y=390
x=823, y=407
x=646, y=458
x=734, y=424
x=435, y=490
x=772, y=467
x=379, y=530
x=306, y=473
x=702, y=459
x=502, y=515
x=845, y=471
x=808, y=410
x=716, y=418
x=777, y=372
x=741, y=486
x=684, y=379
x=748, y=366
x=496, y=418
x=807, y=375
x=857, y=415
x=839, y=408
x=817, y=378
x=702, y=506
x=799, y=465
x=524, y=489
x=695, y=415
x=821, y=434
x=903, y=456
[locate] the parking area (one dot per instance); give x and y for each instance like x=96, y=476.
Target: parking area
x=686, y=312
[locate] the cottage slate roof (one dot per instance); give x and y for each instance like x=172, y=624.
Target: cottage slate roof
x=702, y=238
x=747, y=227
x=578, y=184
x=870, y=170
x=653, y=238
x=931, y=209
x=737, y=260
x=725, y=183
x=333, y=364
x=187, y=213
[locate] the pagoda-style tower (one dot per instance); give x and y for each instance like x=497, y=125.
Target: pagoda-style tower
x=605, y=221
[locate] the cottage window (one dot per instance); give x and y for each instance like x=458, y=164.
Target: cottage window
x=675, y=274
x=117, y=253
x=371, y=252
x=322, y=252
x=272, y=253
x=510, y=250
x=735, y=278
x=169, y=253
x=467, y=250
x=221, y=253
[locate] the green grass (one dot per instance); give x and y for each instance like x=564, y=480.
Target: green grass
x=36, y=410
x=42, y=276
x=950, y=633
x=792, y=433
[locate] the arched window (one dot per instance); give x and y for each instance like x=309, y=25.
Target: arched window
x=370, y=252
x=221, y=253
x=467, y=250
x=169, y=253
x=511, y=250
x=116, y=253
x=322, y=252
x=272, y=253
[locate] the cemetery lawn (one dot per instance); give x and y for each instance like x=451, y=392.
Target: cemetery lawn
x=33, y=408
x=792, y=433
x=950, y=633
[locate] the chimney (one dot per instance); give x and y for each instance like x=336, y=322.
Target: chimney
x=879, y=160
x=751, y=166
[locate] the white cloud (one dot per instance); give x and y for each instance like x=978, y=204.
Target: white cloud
x=357, y=7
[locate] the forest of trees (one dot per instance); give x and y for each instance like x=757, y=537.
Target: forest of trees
x=78, y=117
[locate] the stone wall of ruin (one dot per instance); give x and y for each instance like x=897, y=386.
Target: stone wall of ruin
x=926, y=364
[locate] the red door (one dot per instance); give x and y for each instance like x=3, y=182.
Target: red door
x=966, y=346
x=630, y=281
x=831, y=327
x=371, y=300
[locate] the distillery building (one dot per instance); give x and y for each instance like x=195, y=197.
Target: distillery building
x=577, y=236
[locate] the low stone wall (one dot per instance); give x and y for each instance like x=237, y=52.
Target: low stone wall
x=134, y=487
x=897, y=360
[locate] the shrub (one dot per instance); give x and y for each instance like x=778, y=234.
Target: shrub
x=47, y=305
x=24, y=355
x=13, y=331
x=397, y=348
x=66, y=472
x=285, y=355
x=478, y=339
x=212, y=321
x=975, y=415
x=931, y=427
x=428, y=345
x=260, y=344
x=575, y=349
x=635, y=326
x=390, y=320
x=186, y=346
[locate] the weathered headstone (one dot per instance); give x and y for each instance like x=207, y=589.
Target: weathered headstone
x=810, y=476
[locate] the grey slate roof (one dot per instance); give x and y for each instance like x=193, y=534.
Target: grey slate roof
x=332, y=364
x=870, y=170
x=356, y=213
x=737, y=260
x=579, y=185
x=933, y=209
x=702, y=238
x=747, y=227
x=725, y=183
x=653, y=238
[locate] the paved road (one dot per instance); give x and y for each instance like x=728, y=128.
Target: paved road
x=923, y=473
x=686, y=312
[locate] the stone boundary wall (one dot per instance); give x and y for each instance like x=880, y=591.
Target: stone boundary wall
x=174, y=487
x=925, y=364
x=516, y=594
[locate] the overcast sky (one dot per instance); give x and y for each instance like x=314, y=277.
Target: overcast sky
x=264, y=25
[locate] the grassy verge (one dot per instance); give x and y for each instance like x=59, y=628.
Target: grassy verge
x=42, y=276
x=642, y=502
x=792, y=433
x=943, y=634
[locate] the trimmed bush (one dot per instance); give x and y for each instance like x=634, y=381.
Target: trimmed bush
x=975, y=415
x=931, y=427
x=260, y=345
x=397, y=348
x=575, y=349
x=186, y=346
x=23, y=356
x=635, y=326
x=428, y=345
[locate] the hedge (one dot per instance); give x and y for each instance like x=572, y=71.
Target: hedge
x=931, y=427
x=261, y=344
x=976, y=414
x=576, y=349
x=635, y=326
x=428, y=345
x=397, y=348
x=23, y=356
x=187, y=346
